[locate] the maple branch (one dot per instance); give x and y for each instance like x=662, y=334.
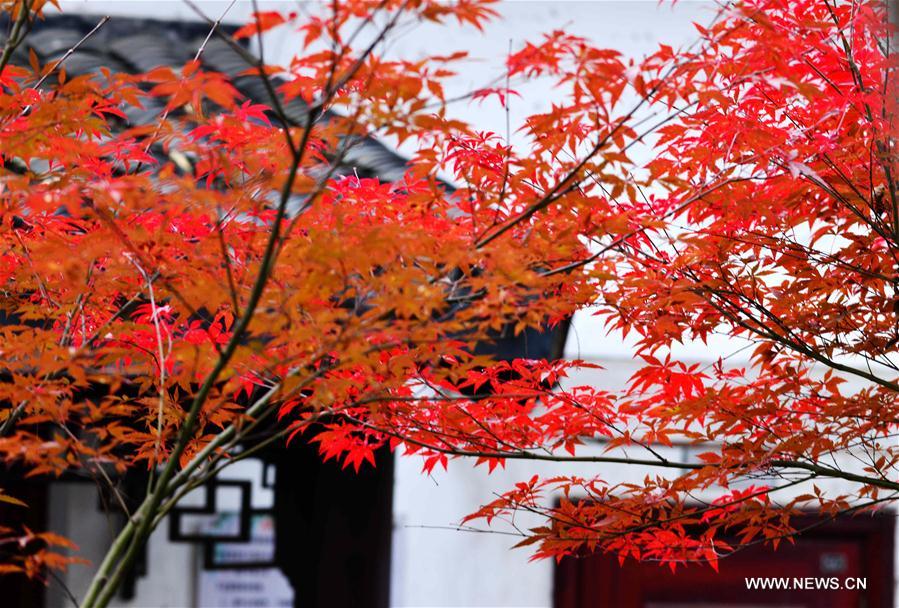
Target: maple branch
x=134, y=535
x=136, y=252
x=167, y=110
x=65, y=588
x=226, y=258
x=796, y=345
x=101, y=596
x=562, y=518
x=9, y=424
x=20, y=29
x=66, y=55
x=827, y=519
x=213, y=471
x=560, y=190
x=162, y=363
x=259, y=64
x=554, y=515
x=668, y=464
x=125, y=548
x=882, y=148
x=632, y=233
x=88, y=340
x=103, y=474
x=217, y=449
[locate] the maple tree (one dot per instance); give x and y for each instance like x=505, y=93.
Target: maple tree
x=160, y=312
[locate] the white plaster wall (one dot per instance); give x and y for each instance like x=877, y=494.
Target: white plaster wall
x=76, y=513
x=173, y=570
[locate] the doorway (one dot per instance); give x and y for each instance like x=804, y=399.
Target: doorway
x=846, y=563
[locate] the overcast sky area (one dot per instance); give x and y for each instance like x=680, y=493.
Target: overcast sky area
x=633, y=27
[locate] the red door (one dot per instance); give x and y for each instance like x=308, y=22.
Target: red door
x=846, y=564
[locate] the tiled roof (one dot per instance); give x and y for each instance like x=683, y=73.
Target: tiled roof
x=133, y=45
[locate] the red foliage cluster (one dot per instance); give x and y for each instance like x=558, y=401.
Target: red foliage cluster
x=169, y=288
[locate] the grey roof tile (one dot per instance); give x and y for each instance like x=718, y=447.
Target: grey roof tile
x=134, y=45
